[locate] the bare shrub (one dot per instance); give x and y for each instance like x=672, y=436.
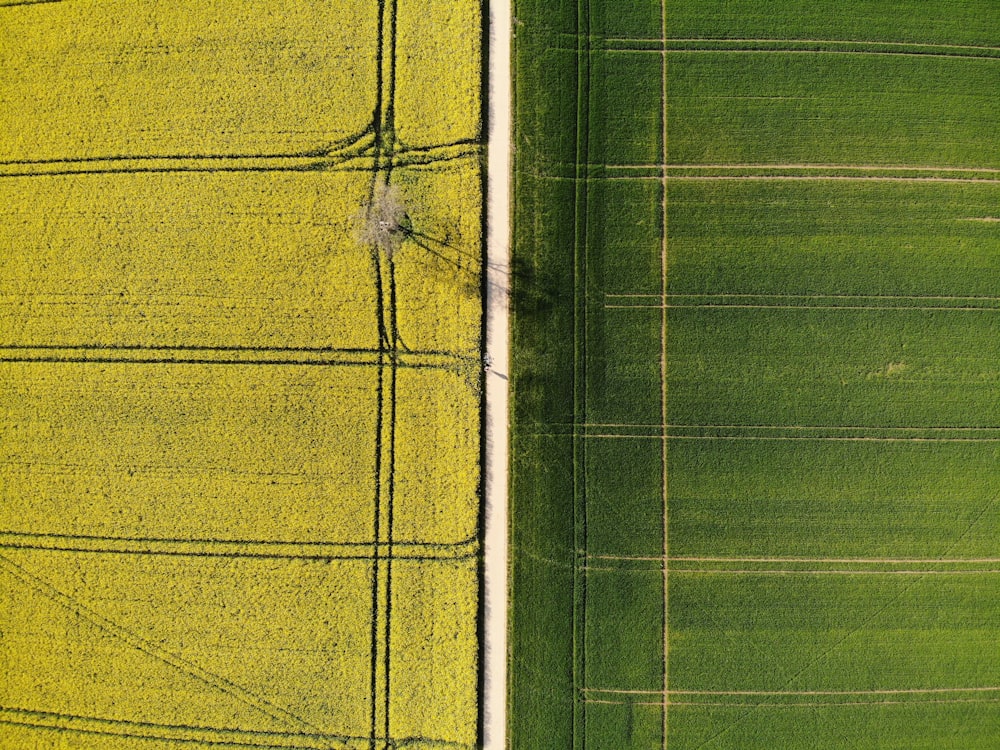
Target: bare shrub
x=383, y=224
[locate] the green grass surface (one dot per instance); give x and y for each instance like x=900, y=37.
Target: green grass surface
x=886, y=727
x=832, y=107
x=835, y=237
x=832, y=425
x=841, y=368
x=840, y=499
x=971, y=22
x=823, y=633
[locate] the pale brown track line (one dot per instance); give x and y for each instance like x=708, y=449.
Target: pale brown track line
x=780, y=51
x=830, y=704
x=775, y=428
x=879, y=308
x=719, y=40
x=809, y=296
x=855, y=167
x=802, y=427
x=809, y=560
x=774, y=572
x=795, y=693
x=819, y=178
x=810, y=178
x=835, y=438
x=663, y=391
x=810, y=704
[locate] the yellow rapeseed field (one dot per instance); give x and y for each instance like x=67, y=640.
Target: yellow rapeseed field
x=239, y=409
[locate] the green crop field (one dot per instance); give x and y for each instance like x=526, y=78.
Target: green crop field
x=756, y=375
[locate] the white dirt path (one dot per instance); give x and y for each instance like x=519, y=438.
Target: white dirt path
x=494, y=695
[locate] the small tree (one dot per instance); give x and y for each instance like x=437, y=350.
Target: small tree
x=384, y=223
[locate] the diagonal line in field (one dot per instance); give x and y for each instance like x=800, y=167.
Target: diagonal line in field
x=149, y=648
x=176, y=733
x=206, y=736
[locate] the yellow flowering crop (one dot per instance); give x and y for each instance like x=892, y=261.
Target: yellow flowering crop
x=239, y=407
